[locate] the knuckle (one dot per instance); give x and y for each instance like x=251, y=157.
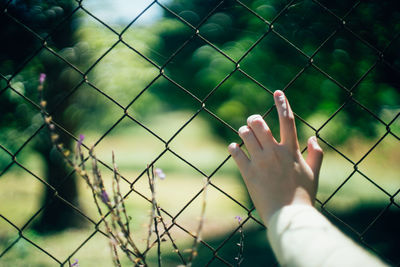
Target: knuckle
x=290, y=116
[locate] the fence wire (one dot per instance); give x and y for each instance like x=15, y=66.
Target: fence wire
x=216, y=258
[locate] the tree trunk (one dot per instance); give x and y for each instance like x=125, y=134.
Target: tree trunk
x=60, y=80
x=58, y=214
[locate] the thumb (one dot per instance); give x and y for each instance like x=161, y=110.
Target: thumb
x=315, y=155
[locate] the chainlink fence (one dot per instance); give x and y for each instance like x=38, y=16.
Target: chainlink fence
x=372, y=222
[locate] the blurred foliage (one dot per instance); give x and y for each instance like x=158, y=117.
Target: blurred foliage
x=79, y=40
x=39, y=38
x=121, y=73
x=274, y=63
x=21, y=61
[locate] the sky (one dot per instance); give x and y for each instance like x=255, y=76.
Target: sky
x=124, y=11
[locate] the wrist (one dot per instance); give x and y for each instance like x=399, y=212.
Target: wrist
x=270, y=217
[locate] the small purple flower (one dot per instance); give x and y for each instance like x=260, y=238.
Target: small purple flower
x=75, y=264
x=159, y=173
x=81, y=138
x=42, y=78
x=238, y=218
x=104, y=197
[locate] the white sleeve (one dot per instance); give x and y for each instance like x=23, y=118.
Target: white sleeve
x=302, y=236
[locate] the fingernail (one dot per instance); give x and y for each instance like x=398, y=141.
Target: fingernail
x=314, y=142
x=243, y=129
x=253, y=117
x=281, y=101
x=232, y=148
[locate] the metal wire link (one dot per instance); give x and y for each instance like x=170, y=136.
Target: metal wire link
x=201, y=108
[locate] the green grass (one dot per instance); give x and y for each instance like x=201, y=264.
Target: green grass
x=20, y=193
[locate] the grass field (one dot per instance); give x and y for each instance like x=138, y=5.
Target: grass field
x=20, y=193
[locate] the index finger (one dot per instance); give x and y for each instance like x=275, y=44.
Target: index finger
x=286, y=120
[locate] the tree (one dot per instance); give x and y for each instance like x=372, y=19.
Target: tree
x=27, y=23
x=274, y=62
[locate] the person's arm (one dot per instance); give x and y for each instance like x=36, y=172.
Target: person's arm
x=283, y=187
x=301, y=236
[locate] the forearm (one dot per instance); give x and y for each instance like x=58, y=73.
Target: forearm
x=301, y=236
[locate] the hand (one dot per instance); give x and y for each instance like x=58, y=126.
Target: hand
x=276, y=174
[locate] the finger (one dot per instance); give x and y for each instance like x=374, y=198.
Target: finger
x=261, y=131
x=250, y=140
x=239, y=157
x=286, y=120
x=315, y=155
